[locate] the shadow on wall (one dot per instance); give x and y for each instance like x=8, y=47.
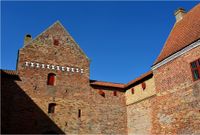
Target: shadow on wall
x=19, y=114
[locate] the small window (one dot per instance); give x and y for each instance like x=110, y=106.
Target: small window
x=115, y=93
x=79, y=113
x=56, y=42
x=195, y=67
x=143, y=85
x=51, y=108
x=132, y=91
x=51, y=79
x=102, y=93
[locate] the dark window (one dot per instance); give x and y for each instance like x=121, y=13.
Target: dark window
x=51, y=79
x=195, y=67
x=115, y=93
x=102, y=93
x=132, y=91
x=79, y=113
x=143, y=85
x=51, y=108
x=56, y=42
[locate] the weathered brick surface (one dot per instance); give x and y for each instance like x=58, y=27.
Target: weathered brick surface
x=139, y=117
x=99, y=115
x=177, y=104
x=173, y=110
x=20, y=114
x=139, y=107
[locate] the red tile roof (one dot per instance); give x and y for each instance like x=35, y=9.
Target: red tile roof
x=107, y=84
x=184, y=32
x=145, y=75
x=8, y=72
x=11, y=74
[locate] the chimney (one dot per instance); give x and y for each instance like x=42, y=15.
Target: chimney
x=179, y=14
x=27, y=39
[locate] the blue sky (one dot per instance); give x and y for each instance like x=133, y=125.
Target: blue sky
x=122, y=39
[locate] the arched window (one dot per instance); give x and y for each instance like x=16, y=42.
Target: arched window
x=51, y=108
x=51, y=79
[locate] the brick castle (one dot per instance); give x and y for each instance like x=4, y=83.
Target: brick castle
x=54, y=95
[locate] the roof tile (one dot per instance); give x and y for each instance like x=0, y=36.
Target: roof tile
x=184, y=32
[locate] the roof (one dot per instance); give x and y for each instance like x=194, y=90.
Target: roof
x=143, y=77
x=139, y=79
x=8, y=72
x=184, y=32
x=106, y=84
x=11, y=74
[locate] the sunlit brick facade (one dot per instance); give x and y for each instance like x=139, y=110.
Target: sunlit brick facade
x=51, y=91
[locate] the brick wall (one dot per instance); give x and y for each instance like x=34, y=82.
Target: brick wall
x=139, y=107
x=177, y=105
x=139, y=93
x=169, y=104
x=71, y=93
x=139, y=117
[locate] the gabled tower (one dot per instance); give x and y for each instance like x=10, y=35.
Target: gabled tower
x=54, y=94
x=53, y=51
x=54, y=73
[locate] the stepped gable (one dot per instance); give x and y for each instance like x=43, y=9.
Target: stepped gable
x=184, y=32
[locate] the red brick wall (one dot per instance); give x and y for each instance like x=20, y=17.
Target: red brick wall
x=177, y=105
x=174, y=109
x=71, y=92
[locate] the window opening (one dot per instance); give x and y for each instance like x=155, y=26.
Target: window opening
x=79, y=113
x=51, y=79
x=56, y=42
x=102, y=93
x=132, y=91
x=115, y=93
x=51, y=108
x=195, y=67
x=143, y=85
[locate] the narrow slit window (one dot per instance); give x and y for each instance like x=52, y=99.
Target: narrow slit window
x=115, y=93
x=195, y=67
x=51, y=79
x=143, y=85
x=79, y=113
x=132, y=91
x=51, y=108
